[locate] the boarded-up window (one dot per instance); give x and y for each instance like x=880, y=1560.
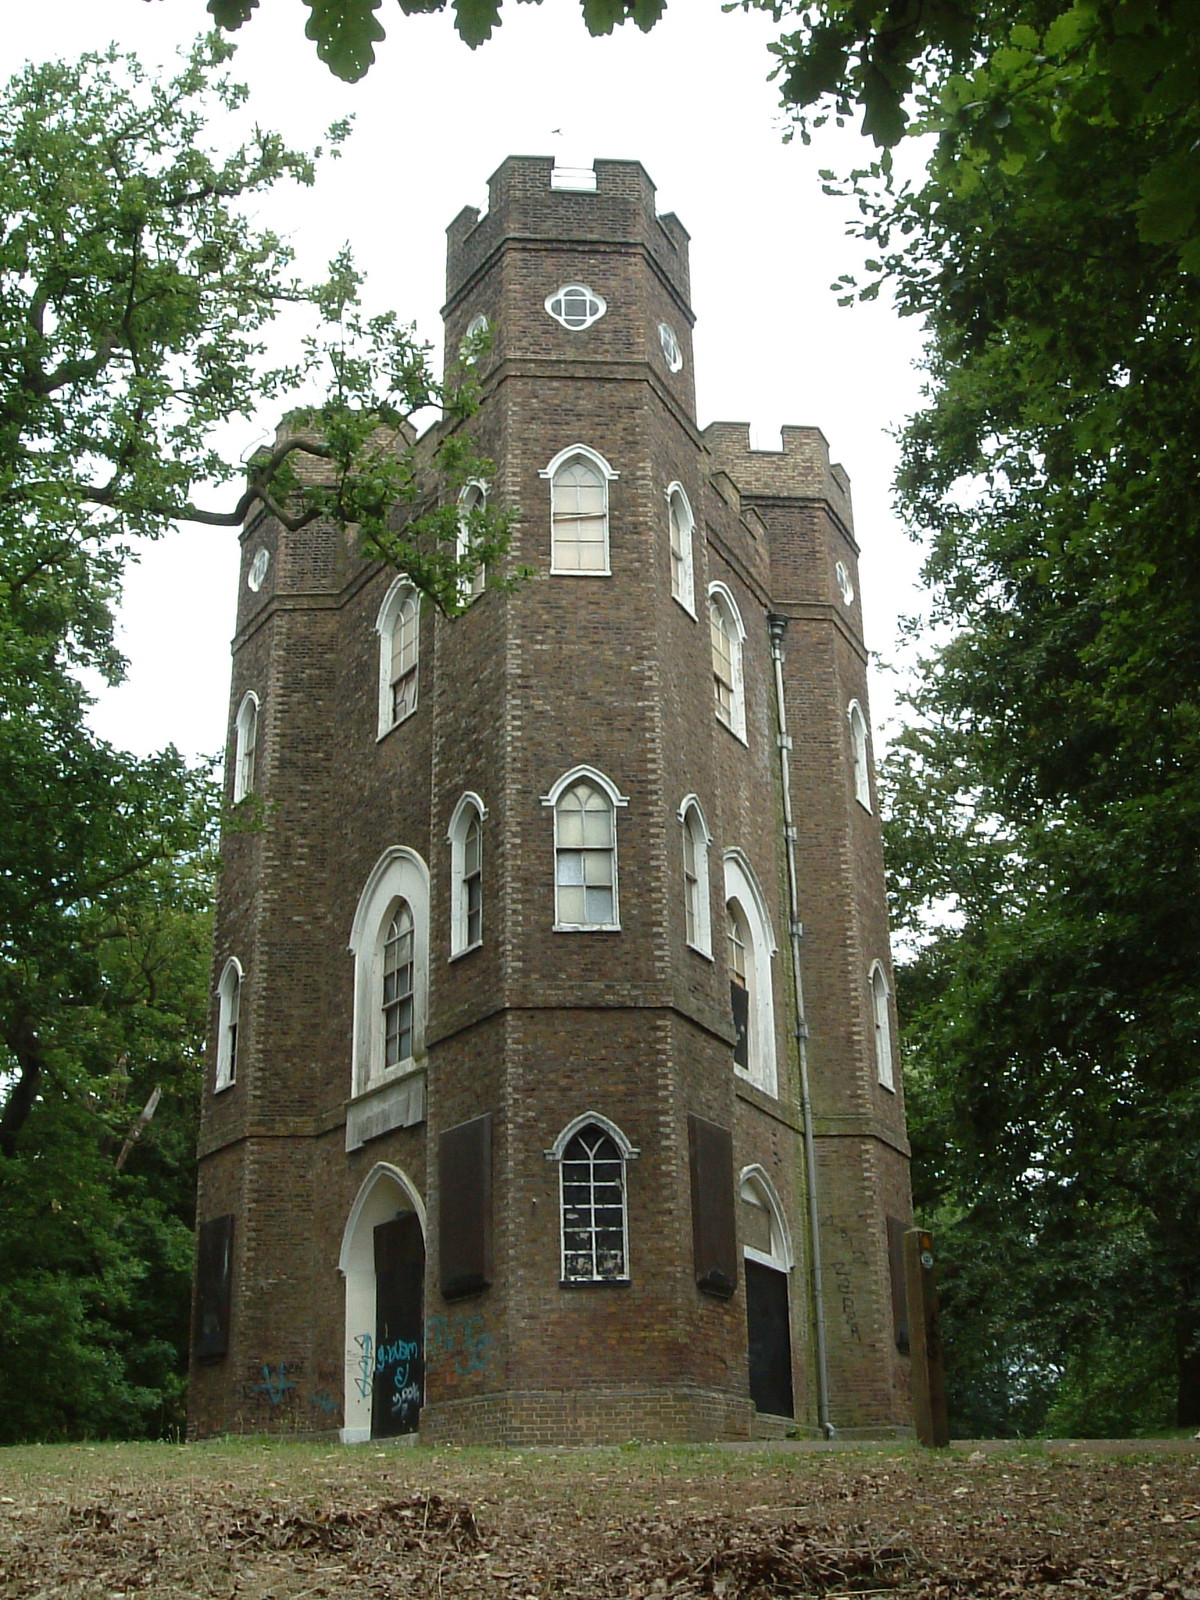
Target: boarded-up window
x=896, y=1231
x=465, y=1207
x=214, y=1282
x=714, y=1234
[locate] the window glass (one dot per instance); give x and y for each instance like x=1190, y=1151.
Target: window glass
x=405, y=643
x=722, y=663
x=580, y=518
x=472, y=883
x=739, y=987
x=585, y=879
x=670, y=347
x=472, y=501
x=398, y=987
x=593, y=1208
x=576, y=306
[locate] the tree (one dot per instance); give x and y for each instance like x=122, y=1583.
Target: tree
x=346, y=31
x=133, y=298
x=1045, y=827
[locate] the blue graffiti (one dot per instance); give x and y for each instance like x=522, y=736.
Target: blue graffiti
x=366, y=1365
x=389, y=1355
x=275, y=1387
x=463, y=1338
x=324, y=1401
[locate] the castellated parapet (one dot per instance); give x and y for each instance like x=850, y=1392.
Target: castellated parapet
x=503, y=1133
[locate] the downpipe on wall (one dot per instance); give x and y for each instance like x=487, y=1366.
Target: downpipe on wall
x=777, y=625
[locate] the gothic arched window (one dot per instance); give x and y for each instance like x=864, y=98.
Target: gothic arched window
x=680, y=523
x=696, y=840
x=399, y=628
x=245, y=747
x=881, y=1014
x=579, y=480
x=592, y=1154
x=229, y=1007
x=466, y=874
x=585, y=851
x=750, y=946
x=727, y=634
x=471, y=502
x=858, y=755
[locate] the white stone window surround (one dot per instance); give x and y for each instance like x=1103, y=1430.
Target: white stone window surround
x=845, y=584
x=598, y=781
x=627, y=1153
x=885, y=1060
x=742, y=889
x=401, y=608
x=595, y=460
x=470, y=808
x=245, y=746
x=671, y=348
x=733, y=715
x=478, y=324
x=860, y=754
x=386, y=1191
x=681, y=525
x=229, y=1011
x=473, y=498
x=762, y=1192
x=399, y=875
x=575, y=306
x=694, y=827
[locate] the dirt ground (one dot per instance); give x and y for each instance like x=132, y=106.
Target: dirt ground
x=262, y=1519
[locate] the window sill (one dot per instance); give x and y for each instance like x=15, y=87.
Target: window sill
x=467, y=949
x=865, y=804
x=579, y=572
x=220, y=1088
x=699, y=950
x=749, y=1079
x=733, y=732
x=890, y=1087
x=395, y=1102
x=683, y=606
x=587, y=927
x=594, y=1283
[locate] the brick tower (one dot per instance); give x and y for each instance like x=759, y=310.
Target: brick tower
x=552, y=1092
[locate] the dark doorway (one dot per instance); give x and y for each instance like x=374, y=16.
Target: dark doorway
x=769, y=1339
x=399, y=1325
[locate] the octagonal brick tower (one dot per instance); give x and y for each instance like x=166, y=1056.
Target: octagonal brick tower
x=503, y=1134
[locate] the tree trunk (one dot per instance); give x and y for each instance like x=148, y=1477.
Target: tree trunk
x=24, y=1044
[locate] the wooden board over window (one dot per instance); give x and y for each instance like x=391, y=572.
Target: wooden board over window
x=214, y=1282
x=465, y=1207
x=714, y=1232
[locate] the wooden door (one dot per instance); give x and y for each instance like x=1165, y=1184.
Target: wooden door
x=769, y=1339
x=399, y=1326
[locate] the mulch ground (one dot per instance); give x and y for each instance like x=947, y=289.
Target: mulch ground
x=263, y=1519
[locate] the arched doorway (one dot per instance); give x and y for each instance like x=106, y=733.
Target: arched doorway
x=383, y=1262
x=767, y=1249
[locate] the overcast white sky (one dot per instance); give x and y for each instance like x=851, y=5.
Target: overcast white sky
x=432, y=121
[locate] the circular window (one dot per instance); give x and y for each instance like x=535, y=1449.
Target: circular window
x=258, y=568
x=670, y=346
x=475, y=327
x=575, y=306
x=845, y=587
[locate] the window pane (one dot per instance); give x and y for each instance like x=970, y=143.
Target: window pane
x=598, y=905
x=570, y=905
x=597, y=868
x=570, y=866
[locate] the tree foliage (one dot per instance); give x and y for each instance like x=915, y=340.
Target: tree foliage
x=346, y=31
x=134, y=296
x=1045, y=832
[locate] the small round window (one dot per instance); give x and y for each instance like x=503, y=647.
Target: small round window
x=575, y=306
x=670, y=346
x=845, y=587
x=475, y=329
x=258, y=568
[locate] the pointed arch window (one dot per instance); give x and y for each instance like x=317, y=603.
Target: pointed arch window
x=245, y=747
x=229, y=1008
x=585, y=851
x=399, y=629
x=858, y=755
x=680, y=523
x=750, y=946
x=592, y=1154
x=696, y=899
x=466, y=874
x=471, y=503
x=397, y=996
x=579, y=480
x=727, y=635
x=881, y=1014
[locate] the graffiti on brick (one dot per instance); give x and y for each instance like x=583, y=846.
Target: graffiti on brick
x=847, y=1264
x=322, y=1400
x=275, y=1384
x=460, y=1339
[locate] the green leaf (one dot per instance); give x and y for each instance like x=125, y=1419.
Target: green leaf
x=344, y=32
x=230, y=14
x=476, y=20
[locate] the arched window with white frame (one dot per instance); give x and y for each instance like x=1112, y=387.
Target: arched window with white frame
x=245, y=747
x=727, y=636
x=882, y=1017
x=585, y=806
x=579, y=479
x=680, y=524
x=390, y=943
x=696, y=898
x=465, y=835
x=472, y=502
x=750, y=947
x=858, y=755
x=399, y=629
x=592, y=1155
x=229, y=1008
